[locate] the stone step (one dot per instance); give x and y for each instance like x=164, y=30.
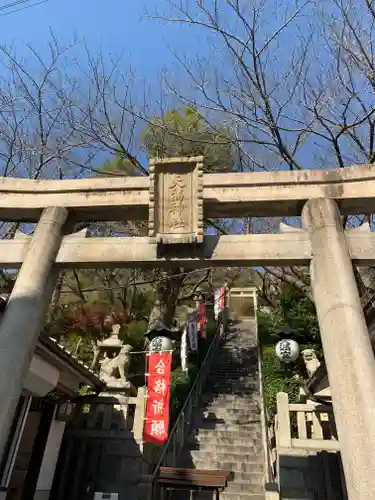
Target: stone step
x=222, y=445
x=245, y=367
x=245, y=391
x=233, y=380
x=250, y=372
x=236, y=368
x=228, y=362
x=221, y=430
x=230, y=407
x=211, y=448
x=200, y=442
x=232, y=391
x=227, y=401
x=228, y=397
x=251, y=377
x=234, y=467
x=231, y=410
x=247, y=487
x=239, y=432
x=208, y=440
x=205, y=495
x=223, y=400
x=219, y=425
x=228, y=423
x=239, y=380
x=240, y=365
x=251, y=381
x=246, y=350
x=234, y=496
x=247, y=384
x=223, y=457
x=247, y=476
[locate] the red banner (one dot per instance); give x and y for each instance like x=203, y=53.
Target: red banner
x=222, y=298
x=158, y=396
x=201, y=306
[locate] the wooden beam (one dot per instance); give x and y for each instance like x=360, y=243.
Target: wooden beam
x=224, y=195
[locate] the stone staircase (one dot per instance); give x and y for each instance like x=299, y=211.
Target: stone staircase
x=227, y=427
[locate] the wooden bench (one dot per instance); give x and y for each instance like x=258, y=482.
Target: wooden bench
x=193, y=479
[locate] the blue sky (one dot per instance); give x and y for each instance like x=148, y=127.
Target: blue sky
x=111, y=26
x=120, y=27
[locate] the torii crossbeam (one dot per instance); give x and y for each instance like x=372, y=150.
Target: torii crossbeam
x=175, y=199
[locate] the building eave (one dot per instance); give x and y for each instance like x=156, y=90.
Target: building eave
x=59, y=356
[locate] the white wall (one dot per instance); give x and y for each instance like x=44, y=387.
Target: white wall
x=41, y=378
x=51, y=454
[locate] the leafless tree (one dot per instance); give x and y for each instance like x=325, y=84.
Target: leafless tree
x=293, y=81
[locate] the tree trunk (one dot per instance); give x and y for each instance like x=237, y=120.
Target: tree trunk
x=166, y=296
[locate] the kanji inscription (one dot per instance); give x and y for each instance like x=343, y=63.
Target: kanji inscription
x=176, y=200
x=158, y=396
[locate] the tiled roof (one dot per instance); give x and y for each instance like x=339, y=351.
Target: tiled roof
x=70, y=358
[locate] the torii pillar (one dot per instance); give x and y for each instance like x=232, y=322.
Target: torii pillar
x=347, y=349
x=23, y=318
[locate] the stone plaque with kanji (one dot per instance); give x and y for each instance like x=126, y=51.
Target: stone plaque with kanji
x=176, y=200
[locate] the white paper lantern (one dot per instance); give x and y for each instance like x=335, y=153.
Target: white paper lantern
x=287, y=350
x=161, y=344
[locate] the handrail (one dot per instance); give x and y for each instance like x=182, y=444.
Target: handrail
x=185, y=417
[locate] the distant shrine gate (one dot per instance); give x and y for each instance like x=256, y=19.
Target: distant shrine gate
x=175, y=199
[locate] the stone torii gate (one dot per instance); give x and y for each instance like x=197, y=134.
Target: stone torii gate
x=174, y=199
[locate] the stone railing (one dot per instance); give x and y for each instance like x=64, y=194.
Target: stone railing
x=185, y=420
x=306, y=426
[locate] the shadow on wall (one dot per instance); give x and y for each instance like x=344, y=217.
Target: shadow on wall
x=315, y=475
x=99, y=454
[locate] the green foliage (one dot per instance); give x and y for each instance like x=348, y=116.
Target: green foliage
x=119, y=166
x=80, y=324
x=278, y=378
x=133, y=334
x=186, y=133
x=180, y=387
x=292, y=309
x=142, y=303
x=85, y=391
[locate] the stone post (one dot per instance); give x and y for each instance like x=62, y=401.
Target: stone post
x=22, y=321
x=346, y=343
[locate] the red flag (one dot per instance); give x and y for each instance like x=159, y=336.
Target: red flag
x=222, y=298
x=158, y=396
x=202, y=319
